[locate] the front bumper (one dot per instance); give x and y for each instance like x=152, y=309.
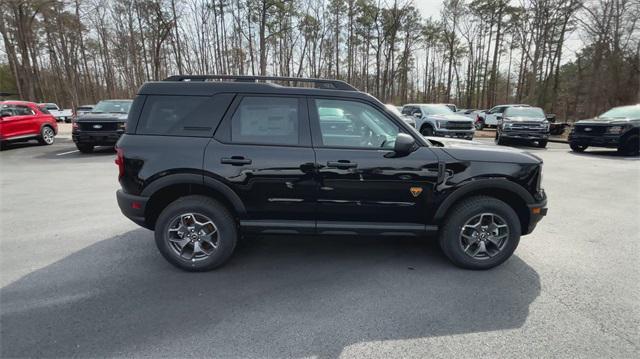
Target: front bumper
x=133, y=207
x=536, y=212
x=97, y=138
x=609, y=141
x=525, y=135
x=467, y=134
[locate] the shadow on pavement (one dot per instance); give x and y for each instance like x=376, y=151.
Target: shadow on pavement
x=278, y=296
x=604, y=153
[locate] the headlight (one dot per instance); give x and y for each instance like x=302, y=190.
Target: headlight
x=122, y=125
x=506, y=124
x=615, y=130
x=440, y=123
x=545, y=125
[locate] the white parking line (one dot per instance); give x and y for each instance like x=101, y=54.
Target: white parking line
x=66, y=153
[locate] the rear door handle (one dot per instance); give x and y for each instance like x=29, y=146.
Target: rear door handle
x=342, y=164
x=236, y=161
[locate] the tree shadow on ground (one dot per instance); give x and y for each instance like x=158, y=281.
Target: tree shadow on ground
x=277, y=297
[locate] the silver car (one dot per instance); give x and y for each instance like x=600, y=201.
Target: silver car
x=439, y=120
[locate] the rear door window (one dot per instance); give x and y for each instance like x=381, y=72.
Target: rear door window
x=191, y=116
x=267, y=120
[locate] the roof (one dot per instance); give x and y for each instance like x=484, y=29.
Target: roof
x=17, y=102
x=209, y=88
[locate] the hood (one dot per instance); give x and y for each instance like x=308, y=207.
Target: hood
x=104, y=117
x=607, y=121
x=451, y=117
x=464, y=150
x=527, y=119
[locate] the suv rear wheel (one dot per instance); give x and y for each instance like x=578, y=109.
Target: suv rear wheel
x=196, y=233
x=47, y=136
x=480, y=233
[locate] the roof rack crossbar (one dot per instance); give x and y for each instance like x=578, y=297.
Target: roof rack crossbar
x=320, y=83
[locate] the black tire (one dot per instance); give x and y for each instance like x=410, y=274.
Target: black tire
x=227, y=232
x=542, y=144
x=3, y=145
x=577, y=148
x=47, y=136
x=450, y=234
x=631, y=146
x=426, y=130
x=84, y=148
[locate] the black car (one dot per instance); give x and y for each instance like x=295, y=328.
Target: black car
x=203, y=161
x=103, y=126
x=523, y=123
x=617, y=128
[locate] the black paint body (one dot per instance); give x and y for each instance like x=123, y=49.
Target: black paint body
x=297, y=189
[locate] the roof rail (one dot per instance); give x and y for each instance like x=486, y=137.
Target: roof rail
x=319, y=83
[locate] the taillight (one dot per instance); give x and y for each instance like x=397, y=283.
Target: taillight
x=120, y=161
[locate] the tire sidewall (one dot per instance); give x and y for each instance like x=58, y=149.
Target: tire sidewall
x=450, y=236
x=227, y=232
x=42, y=136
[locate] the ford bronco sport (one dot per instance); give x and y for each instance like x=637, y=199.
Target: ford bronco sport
x=206, y=158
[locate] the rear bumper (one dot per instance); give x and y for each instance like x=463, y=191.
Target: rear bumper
x=97, y=138
x=133, y=207
x=610, y=141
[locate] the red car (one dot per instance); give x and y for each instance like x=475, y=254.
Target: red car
x=23, y=121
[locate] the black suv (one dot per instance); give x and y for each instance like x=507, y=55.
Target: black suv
x=617, y=128
x=524, y=123
x=204, y=160
x=103, y=126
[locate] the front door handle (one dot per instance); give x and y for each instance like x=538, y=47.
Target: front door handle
x=236, y=161
x=342, y=164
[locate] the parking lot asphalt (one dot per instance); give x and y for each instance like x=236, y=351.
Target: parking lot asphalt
x=80, y=280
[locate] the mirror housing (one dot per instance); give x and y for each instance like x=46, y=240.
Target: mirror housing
x=404, y=145
x=551, y=117
x=416, y=115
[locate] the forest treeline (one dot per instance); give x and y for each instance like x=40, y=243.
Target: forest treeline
x=575, y=58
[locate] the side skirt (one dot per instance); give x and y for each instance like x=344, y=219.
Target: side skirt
x=336, y=228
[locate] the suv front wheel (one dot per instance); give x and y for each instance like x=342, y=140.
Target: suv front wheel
x=196, y=233
x=480, y=233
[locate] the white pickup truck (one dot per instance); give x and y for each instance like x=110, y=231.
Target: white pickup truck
x=57, y=112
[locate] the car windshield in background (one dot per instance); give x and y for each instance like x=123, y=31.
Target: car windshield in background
x=112, y=107
x=437, y=109
x=622, y=112
x=524, y=112
x=395, y=110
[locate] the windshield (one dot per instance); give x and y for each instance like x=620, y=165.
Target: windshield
x=437, y=109
x=112, y=106
x=394, y=109
x=623, y=112
x=524, y=112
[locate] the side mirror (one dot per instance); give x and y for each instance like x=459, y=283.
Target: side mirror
x=551, y=117
x=405, y=144
x=499, y=116
x=417, y=114
x=5, y=113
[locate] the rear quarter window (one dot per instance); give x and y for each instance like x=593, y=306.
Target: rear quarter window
x=191, y=116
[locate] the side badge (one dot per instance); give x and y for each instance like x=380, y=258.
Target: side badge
x=415, y=191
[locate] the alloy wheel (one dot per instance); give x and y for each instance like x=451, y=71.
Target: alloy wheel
x=48, y=135
x=484, y=235
x=193, y=236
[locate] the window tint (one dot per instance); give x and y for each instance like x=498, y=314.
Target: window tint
x=23, y=111
x=194, y=116
x=358, y=125
x=267, y=120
